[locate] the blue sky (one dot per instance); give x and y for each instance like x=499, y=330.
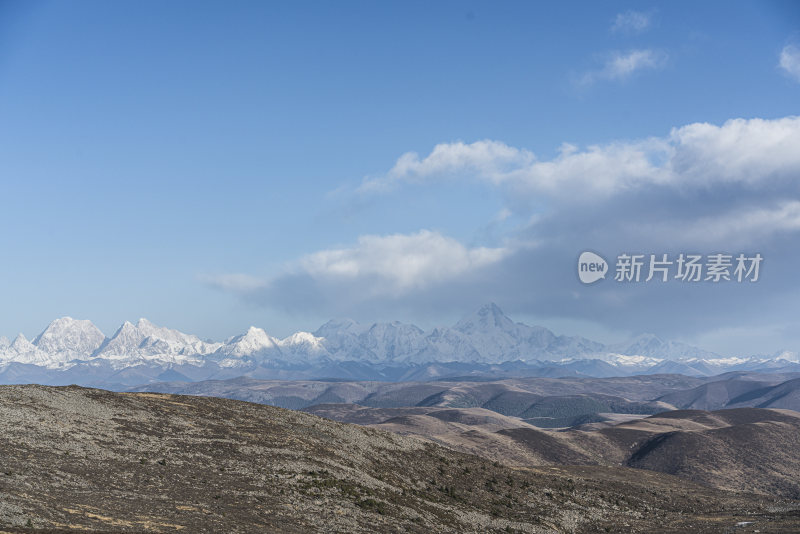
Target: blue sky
x=211, y=165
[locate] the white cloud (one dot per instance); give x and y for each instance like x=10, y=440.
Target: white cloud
x=377, y=266
x=695, y=156
x=488, y=158
x=749, y=151
x=790, y=61
x=234, y=282
x=599, y=169
x=397, y=263
x=631, y=22
x=621, y=66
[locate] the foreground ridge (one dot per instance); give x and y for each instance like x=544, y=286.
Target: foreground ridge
x=78, y=458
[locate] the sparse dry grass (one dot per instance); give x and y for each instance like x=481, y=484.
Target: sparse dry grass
x=80, y=459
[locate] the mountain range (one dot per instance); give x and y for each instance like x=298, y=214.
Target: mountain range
x=486, y=343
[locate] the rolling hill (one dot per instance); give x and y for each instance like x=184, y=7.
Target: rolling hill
x=745, y=449
x=78, y=459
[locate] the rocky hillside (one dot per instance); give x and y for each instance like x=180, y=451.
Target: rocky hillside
x=743, y=449
x=84, y=459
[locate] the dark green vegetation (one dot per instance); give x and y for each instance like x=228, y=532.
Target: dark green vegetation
x=83, y=459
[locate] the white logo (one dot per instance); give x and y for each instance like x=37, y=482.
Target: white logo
x=662, y=268
x=591, y=267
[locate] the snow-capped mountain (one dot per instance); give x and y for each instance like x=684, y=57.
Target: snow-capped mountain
x=654, y=347
x=380, y=342
x=70, y=339
x=487, y=341
x=497, y=338
x=147, y=341
x=303, y=347
x=487, y=336
x=255, y=345
x=23, y=351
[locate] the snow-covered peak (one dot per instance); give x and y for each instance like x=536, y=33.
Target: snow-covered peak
x=788, y=356
x=23, y=351
x=653, y=346
x=21, y=345
x=4, y=342
x=378, y=342
x=489, y=336
x=73, y=337
x=147, y=329
x=488, y=318
x=302, y=338
x=643, y=344
x=258, y=336
x=253, y=343
x=624, y=360
x=148, y=341
x=722, y=362
x=335, y=326
x=124, y=340
x=303, y=346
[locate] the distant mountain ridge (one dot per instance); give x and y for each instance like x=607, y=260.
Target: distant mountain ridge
x=486, y=341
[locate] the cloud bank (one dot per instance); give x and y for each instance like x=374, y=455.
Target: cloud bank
x=695, y=156
x=398, y=263
x=701, y=188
